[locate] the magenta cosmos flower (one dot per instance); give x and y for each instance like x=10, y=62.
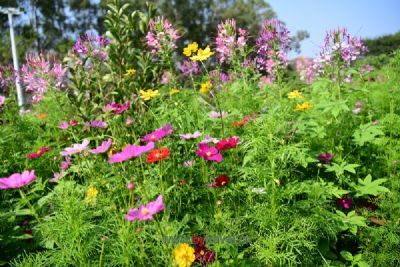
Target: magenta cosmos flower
x=131, y=151
x=75, y=149
x=191, y=136
x=17, y=180
x=116, y=108
x=146, y=212
x=105, y=145
x=158, y=134
x=208, y=153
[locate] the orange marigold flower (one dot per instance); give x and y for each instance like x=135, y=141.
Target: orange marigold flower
x=158, y=154
x=239, y=123
x=42, y=116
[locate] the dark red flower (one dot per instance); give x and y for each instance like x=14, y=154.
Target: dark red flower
x=208, y=257
x=202, y=254
x=158, y=154
x=344, y=202
x=221, y=180
x=229, y=143
x=38, y=153
x=325, y=158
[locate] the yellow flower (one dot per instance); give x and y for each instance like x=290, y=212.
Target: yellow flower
x=295, y=94
x=184, y=255
x=205, y=87
x=187, y=51
x=91, y=195
x=149, y=94
x=130, y=72
x=306, y=105
x=202, y=54
x=173, y=91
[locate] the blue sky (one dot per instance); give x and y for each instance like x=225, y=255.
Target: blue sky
x=365, y=18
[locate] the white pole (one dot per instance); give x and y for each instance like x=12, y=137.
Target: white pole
x=20, y=93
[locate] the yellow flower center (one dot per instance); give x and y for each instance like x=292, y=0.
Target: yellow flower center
x=153, y=137
x=145, y=211
x=208, y=154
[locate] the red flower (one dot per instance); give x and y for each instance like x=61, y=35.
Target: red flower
x=245, y=120
x=158, y=154
x=222, y=180
x=225, y=144
x=38, y=153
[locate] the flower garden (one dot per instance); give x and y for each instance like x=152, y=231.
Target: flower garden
x=135, y=153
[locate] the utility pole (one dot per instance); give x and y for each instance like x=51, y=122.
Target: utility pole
x=11, y=11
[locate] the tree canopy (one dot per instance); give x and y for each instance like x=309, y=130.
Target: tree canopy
x=53, y=25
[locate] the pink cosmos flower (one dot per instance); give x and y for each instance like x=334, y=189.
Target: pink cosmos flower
x=158, y=134
x=63, y=125
x=2, y=100
x=75, y=149
x=208, y=153
x=97, y=124
x=117, y=108
x=188, y=164
x=214, y=114
x=105, y=145
x=130, y=152
x=191, y=136
x=17, y=180
x=146, y=212
x=66, y=163
x=356, y=110
x=209, y=139
x=129, y=121
x=57, y=176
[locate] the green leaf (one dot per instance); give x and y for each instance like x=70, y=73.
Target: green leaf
x=363, y=264
x=367, y=133
x=346, y=255
x=368, y=187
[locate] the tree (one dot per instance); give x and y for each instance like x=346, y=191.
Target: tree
x=383, y=45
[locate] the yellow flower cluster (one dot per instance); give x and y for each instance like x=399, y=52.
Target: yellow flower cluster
x=148, y=94
x=91, y=195
x=304, y=106
x=295, y=94
x=130, y=72
x=205, y=87
x=202, y=54
x=184, y=255
x=191, y=48
x=173, y=91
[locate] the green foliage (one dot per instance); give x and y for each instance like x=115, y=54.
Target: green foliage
x=383, y=45
x=368, y=187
